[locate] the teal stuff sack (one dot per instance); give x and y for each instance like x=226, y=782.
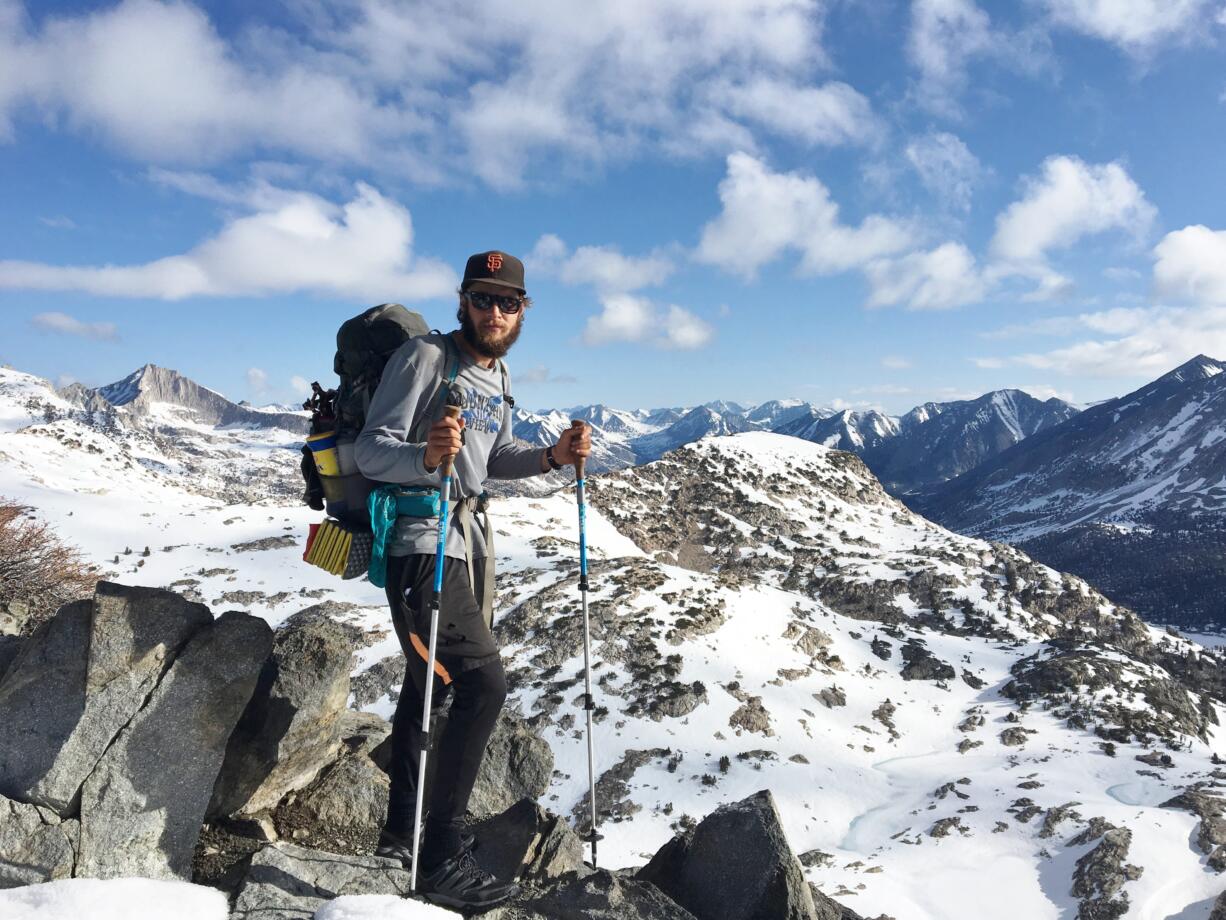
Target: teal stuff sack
x=385, y=504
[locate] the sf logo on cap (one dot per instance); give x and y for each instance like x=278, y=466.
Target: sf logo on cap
x=494, y=261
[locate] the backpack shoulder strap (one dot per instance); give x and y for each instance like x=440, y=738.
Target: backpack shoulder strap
x=449, y=369
x=506, y=383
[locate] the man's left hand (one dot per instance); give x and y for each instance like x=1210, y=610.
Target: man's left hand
x=575, y=444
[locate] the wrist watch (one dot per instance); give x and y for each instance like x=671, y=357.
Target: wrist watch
x=553, y=464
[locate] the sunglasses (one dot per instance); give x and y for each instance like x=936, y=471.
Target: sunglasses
x=509, y=304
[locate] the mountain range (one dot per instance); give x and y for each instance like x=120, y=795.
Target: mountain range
x=1127, y=493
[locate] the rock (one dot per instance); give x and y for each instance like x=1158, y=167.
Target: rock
x=326, y=612
x=1219, y=908
x=1211, y=809
x=142, y=807
x=1156, y=759
x=518, y=764
x=286, y=882
x=1055, y=816
x=881, y=648
x=752, y=717
x=290, y=730
x=345, y=807
x=1101, y=873
x=1014, y=737
x=921, y=664
x=10, y=646
x=82, y=677
x=602, y=895
x=613, y=788
x=527, y=842
x=831, y=697
x=35, y=845
x=943, y=827
x=735, y=865
x=383, y=678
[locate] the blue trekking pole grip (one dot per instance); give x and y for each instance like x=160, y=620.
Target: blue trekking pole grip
x=450, y=411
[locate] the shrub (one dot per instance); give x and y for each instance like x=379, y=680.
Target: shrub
x=38, y=572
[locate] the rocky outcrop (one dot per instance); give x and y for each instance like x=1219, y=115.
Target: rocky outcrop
x=142, y=807
x=517, y=764
x=763, y=880
x=528, y=843
x=291, y=729
x=600, y=895
x=345, y=807
x=81, y=678
x=1211, y=831
x=1101, y=874
x=286, y=882
x=35, y=844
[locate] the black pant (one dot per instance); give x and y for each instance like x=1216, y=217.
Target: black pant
x=469, y=672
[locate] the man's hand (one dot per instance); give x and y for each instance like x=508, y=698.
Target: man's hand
x=444, y=440
x=575, y=444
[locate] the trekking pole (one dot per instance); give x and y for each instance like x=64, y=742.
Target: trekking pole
x=448, y=461
x=588, y=704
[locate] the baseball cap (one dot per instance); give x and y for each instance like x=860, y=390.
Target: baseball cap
x=494, y=267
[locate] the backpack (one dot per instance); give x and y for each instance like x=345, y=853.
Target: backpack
x=363, y=346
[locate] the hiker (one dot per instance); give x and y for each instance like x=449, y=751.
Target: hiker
x=492, y=304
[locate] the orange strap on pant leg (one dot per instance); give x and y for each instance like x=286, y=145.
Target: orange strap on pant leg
x=425, y=656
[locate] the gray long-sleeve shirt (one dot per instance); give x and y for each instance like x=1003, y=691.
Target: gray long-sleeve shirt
x=408, y=390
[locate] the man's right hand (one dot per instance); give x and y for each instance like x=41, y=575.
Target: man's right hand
x=444, y=440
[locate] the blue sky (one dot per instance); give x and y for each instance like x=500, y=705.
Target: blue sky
x=853, y=202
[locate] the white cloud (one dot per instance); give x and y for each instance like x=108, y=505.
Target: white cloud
x=1137, y=26
x=67, y=325
x=895, y=362
x=766, y=214
x=625, y=318
x=58, y=223
x=257, y=380
x=947, y=36
x=832, y=114
x=1069, y=200
x=301, y=387
x=542, y=374
x=603, y=267
x=1044, y=391
x=1133, y=342
x=404, y=86
x=944, y=277
x=946, y=167
x=1191, y=265
x=360, y=249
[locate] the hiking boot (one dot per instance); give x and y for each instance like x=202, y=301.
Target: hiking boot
x=393, y=846
x=459, y=882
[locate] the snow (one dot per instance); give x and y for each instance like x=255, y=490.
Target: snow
x=862, y=796
x=115, y=899
x=380, y=907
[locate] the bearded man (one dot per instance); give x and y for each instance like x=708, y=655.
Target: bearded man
x=406, y=440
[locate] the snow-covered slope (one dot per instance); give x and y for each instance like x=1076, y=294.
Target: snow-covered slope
x=923, y=705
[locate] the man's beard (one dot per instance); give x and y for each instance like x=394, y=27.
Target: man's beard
x=483, y=345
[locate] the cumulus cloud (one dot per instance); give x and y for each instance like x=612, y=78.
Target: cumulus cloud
x=1191, y=265
x=1130, y=342
x=832, y=114
x=626, y=318
x=944, y=277
x=1137, y=26
x=1070, y=199
x=64, y=324
x=895, y=362
x=1067, y=201
x=403, y=86
x=946, y=167
x=766, y=214
x=360, y=249
x=301, y=386
x=603, y=267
